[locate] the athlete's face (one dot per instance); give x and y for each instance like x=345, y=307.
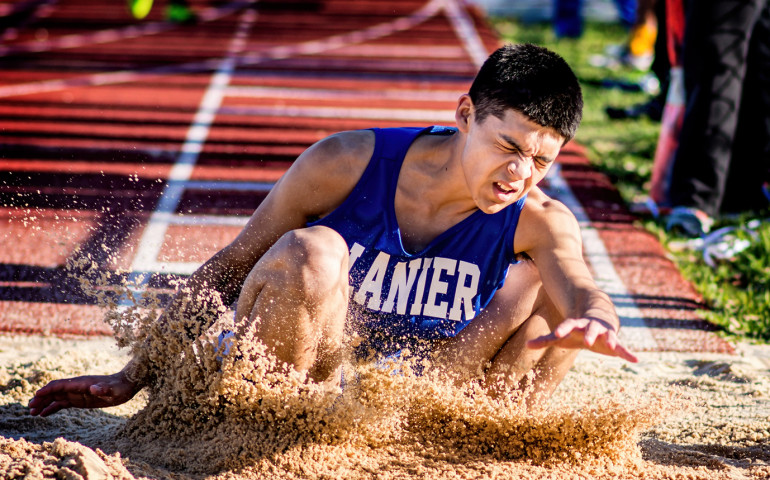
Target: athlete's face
x=504, y=158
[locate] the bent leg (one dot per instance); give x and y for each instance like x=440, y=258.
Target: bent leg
x=493, y=347
x=296, y=300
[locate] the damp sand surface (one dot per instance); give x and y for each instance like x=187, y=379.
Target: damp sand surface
x=690, y=416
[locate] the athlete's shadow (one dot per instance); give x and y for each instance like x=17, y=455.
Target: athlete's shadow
x=91, y=427
x=710, y=456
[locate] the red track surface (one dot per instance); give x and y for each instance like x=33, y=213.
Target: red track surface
x=115, y=134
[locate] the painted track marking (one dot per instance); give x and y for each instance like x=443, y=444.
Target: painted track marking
x=155, y=231
x=466, y=32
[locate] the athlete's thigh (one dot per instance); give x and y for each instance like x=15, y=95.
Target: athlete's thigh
x=511, y=306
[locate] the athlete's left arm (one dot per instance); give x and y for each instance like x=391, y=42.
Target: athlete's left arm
x=550, y=235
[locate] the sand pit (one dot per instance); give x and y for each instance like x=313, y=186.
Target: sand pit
x=670, y=416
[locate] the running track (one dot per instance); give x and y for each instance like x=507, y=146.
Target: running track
x=143, y=147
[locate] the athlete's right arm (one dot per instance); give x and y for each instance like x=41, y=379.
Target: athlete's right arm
x=317, y=182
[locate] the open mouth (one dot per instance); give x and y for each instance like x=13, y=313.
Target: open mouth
x=504, y=188
x=504, y=191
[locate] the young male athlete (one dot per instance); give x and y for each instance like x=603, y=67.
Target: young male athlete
x=437, y=239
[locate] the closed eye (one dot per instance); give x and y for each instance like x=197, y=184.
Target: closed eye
x=508, y=149
x=540, y=161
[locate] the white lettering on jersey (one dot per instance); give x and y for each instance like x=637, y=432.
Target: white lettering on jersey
x=417, y=305
x=355, y=252
x=437, y=286
x=464, y=293
x=415, y=276
x=401, y=286
x=372, y=283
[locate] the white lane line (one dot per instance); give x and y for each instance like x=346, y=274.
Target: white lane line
x=154, y=233
x=403, y=114
x=261, y=187
x=47, y=86
x=185, y=268
x=466, y=31
x=203, y=220
x=635, y=332
x=340, y=94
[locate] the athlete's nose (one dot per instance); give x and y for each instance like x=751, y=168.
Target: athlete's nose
x=520, y=167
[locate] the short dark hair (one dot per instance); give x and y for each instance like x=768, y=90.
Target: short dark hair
x=533, y=81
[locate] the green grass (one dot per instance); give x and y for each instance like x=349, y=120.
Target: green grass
x=737, y=292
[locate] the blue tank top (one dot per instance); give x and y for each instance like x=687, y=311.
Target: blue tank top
x=426, y=295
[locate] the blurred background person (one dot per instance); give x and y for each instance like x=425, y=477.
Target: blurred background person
x=568, y=16
x=721, y=162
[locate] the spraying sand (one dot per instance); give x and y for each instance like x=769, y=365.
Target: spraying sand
x=670, y=416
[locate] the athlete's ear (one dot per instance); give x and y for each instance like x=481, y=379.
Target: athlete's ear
x=464, y=112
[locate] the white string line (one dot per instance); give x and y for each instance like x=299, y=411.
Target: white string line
x=635, y=333
x=155, y=231
x=104, y=78
x=279, y=52
x=77, y=40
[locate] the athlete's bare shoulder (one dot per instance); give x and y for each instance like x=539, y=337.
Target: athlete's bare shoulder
x=539, y=203
x=544, y=222
x=325, y=174
x=342, y=151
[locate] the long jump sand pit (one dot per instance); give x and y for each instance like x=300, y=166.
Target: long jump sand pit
x=673, y=415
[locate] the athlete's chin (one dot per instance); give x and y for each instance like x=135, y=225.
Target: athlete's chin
x=495, y=207
x=497, y=201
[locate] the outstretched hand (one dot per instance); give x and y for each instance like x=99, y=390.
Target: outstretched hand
x=589, y=333
x=89, y=391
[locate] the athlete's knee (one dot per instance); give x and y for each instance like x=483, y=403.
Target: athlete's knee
x=313, y=260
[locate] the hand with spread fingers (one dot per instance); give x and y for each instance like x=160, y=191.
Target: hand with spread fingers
x=589, y=333
x=90, y=391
